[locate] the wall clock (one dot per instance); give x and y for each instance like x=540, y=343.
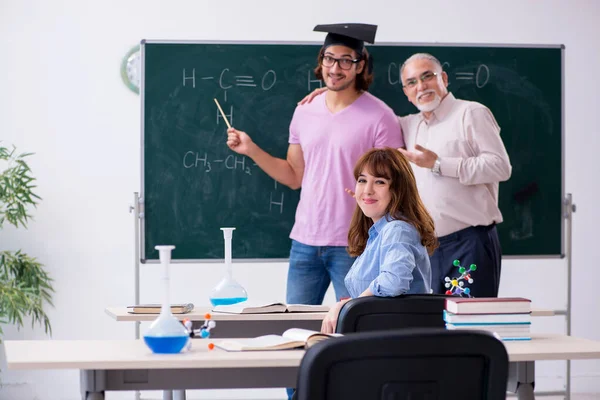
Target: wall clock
x=131, y=69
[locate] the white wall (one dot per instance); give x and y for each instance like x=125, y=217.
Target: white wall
x=62, y=98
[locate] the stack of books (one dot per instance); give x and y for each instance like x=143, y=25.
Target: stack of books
x=508, y=317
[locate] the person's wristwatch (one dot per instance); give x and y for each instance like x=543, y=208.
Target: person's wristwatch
x=436, y=167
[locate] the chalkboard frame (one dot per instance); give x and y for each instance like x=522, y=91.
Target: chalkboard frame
x=141, y=215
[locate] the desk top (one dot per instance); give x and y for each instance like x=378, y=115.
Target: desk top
x=197, y=314
x=133, y=354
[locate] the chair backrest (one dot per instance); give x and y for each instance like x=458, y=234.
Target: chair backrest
x=415, y=364
x=372, y=313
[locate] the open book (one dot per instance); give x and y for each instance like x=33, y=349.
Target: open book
x=155, y=308
x=249, y=308
x=293, y=338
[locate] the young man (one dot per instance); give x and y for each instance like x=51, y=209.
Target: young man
x=326, y=139
x=459, y=160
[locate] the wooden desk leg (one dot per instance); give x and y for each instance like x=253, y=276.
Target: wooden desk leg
x=521, y=379
x=178, y=394
x=95, y=396
x=91, y=383
x=174, y=395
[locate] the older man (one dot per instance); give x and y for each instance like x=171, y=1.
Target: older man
x=459, y=159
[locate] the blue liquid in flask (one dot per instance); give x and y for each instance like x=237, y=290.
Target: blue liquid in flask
x=225, y=301
x=166, y=344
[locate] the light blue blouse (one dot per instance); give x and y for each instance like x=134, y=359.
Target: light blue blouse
x=394, y=262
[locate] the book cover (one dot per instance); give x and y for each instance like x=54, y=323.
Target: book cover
x=503, y=332
x=183, y=308
x=500, y=329
x=488, y=305
x=486, y=318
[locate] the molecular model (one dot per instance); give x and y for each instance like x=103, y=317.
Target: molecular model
x=455, y=286
x=203, y=332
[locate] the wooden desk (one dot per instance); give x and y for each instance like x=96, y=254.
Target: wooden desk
x=236, y=325
x=129, y=365
x=250, y=325
x=197, y=314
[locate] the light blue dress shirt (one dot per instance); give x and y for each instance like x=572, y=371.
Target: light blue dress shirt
x=394, y=262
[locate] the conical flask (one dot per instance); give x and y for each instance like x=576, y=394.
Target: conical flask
x=228, y=291
x=166, y=334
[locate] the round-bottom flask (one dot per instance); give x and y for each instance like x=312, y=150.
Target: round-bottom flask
x=166, y=334
x=228, y=291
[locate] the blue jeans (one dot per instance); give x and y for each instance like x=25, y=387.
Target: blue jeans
x=311, y=270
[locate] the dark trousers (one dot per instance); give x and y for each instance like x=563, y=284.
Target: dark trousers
x=477, y=245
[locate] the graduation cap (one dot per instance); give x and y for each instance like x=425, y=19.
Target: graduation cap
x=353, y=36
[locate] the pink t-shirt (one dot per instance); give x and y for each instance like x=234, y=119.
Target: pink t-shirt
x=332, y=144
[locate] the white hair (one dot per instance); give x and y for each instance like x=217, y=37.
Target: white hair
x=422, y=56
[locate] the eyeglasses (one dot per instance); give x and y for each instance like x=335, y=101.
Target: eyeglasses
x=344, y=63
x=425, y=77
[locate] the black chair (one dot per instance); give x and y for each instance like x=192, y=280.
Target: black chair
x=408, y=364
x=372, y=313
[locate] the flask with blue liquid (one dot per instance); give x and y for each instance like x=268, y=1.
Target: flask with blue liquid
x=166, y=334
x=228, y=291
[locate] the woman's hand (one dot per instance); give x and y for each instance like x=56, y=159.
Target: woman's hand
x=309, y=97
x=330, y=321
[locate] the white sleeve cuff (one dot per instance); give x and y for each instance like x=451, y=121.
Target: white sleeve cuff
x=449, y=166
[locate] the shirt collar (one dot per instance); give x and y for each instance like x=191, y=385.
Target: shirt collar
x=378, y=226
x=443, y=109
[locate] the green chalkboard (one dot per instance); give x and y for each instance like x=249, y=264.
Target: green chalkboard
x=192, y=184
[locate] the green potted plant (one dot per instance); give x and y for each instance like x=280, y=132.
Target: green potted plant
x=25, y=287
